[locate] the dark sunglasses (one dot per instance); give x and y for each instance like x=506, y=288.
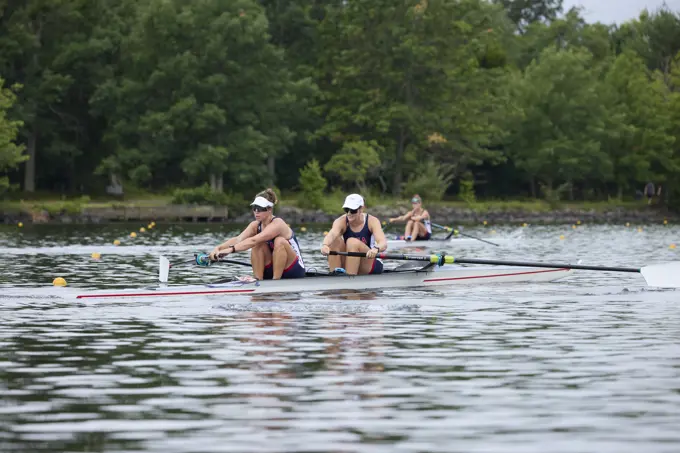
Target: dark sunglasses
x=259, y=209
x=351, y=211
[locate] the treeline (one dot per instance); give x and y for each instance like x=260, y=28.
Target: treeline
x=503, y=98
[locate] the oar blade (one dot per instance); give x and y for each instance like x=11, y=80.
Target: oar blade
x=163, y=269
x=664, y=275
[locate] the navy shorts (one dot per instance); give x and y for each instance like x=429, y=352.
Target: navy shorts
x=377, y=267
x=295, y=270
x=424, y=238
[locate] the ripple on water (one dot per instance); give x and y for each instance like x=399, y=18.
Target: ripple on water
x=587, y=364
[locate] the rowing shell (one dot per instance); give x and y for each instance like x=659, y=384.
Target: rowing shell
x=443, y=276
x=456, y=240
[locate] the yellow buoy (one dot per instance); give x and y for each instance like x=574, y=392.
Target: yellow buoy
x=153, y=223
x=142, y=230
x=578, y=222
x=573, y=227
x=133, y=235
x=665, y=221
x=325, y=233
x=639, y=230
x=384, y=223
x=561, y=237
x=525, y=225
x=484, y=222
x=149, y=226
x=96, y=255
x=303, y=229
x=672, y=246
x=493, y=231
x=627, y=224
x=116, y=242
x=20, y=224
x=59, y=282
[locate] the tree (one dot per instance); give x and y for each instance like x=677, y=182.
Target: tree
x=394, y=73
x=557, y=139
x=202, y=85
x=354, y=162
x=11, y=154
x=312, y=185
x=525, y=12
x=643, y=148
x=54, y=50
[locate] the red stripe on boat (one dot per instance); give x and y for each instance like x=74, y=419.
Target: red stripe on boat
x=493, y=275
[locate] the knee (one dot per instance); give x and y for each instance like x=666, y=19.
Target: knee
x=354, y=245
x=279, y=243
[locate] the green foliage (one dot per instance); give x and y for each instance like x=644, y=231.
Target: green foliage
x=11, y=154
x=466, y=191
x=202, y=195
x=430, y=181
x=238, y=94
x=70, y=207
x=312, y=185
x=524, y=12
x=558, y=140
x=355, y=161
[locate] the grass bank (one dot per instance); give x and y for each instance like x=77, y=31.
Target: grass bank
x=332, y=203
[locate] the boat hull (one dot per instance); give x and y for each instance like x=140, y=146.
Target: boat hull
x=445, y=276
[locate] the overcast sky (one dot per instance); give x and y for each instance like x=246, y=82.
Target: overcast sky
x=610, y=11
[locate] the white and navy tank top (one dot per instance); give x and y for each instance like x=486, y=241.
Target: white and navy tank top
x=292, y=241
x=364, y=235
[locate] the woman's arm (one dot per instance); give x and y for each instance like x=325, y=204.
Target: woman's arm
x=402, y=218
x=376, y=230
x=276, y=228
x=337, y=230
x=249, y=231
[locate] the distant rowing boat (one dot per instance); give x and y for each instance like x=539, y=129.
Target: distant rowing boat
x=428, y=277
x=455, y=240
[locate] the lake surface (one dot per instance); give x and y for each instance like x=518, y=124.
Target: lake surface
x=587, y=364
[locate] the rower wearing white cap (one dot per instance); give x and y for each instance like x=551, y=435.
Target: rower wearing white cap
x=355, y=232
x=275, y=252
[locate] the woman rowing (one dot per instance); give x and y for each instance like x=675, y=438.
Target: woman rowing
x=418, y=227
x=275, y=252
x=355, y=232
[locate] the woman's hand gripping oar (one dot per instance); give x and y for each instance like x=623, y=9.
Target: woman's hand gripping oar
x=200, y=259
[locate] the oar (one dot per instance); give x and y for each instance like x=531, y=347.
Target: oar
x=663, y=275
x=202, y=259
x=462, y=234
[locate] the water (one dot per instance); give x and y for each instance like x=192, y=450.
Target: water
x=587, y=364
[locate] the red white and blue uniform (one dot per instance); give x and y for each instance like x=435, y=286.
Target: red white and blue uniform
x=365, y=236
x=297, y=267
x=428, y=228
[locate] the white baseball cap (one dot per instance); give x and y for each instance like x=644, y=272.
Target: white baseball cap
x=262, y=202
x=353, y=201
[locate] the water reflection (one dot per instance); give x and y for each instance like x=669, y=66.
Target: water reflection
x=588, y=364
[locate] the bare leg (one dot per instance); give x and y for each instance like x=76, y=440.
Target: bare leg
x=282, y=257
x=409, y=227
x=356, y=265
x=334, y=261
x=260, y=256
x=419, y=230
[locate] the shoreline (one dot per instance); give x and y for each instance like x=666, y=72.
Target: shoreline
x=294, y=215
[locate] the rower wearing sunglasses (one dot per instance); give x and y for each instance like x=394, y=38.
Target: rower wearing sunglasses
x=418, y=227
x=355, y=232
x=274, y=249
